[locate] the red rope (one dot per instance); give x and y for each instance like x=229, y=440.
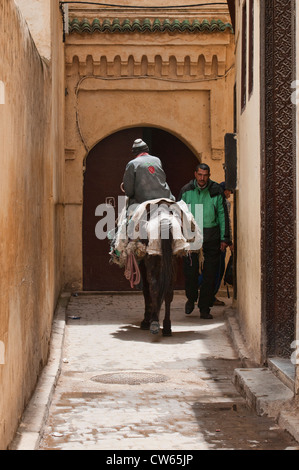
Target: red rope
x=132, y=272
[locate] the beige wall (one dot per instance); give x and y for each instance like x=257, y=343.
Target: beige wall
x=248, y=204
x=31, y=146
x=37, y=14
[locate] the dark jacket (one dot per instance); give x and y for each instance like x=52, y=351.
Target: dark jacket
x=144, y=179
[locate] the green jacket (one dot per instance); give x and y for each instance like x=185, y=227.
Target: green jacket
x=209, y=203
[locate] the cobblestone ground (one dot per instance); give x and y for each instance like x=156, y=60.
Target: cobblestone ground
x=122, y=390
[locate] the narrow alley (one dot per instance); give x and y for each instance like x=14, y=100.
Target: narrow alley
x=120, y=389
x=85, y=86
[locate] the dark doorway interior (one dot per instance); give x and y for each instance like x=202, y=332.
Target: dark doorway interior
x=105, y=167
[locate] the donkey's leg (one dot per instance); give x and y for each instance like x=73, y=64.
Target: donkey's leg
x=153, y=272
x=167, y=322
x=146, y=323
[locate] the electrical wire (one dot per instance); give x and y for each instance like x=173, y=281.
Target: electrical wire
x=96, y=77
x=144, y=7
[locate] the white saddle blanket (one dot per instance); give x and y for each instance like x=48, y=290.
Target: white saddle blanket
x=141, y=234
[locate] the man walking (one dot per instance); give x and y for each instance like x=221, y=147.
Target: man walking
x=216, y=237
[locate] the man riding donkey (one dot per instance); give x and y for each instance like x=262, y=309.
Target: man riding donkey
x=151, y=207
x=144, y=177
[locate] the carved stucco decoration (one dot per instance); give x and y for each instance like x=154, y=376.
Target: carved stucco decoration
x=278, y=180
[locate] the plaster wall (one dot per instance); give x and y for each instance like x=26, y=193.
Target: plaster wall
x=249, y=202
x=31, y=146
x=37, y=14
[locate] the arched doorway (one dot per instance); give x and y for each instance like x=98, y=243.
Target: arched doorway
x=105, y=165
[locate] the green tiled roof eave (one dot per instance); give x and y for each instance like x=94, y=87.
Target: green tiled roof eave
x=143, y=26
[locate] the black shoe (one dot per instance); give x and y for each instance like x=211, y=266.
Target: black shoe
x=218, y=303
x=206, y=316
x=189, y=307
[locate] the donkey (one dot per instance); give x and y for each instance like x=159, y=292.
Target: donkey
x=158, y=276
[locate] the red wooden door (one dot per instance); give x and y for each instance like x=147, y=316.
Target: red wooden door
x=105, y=167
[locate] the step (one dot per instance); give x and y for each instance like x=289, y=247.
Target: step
x=284, y=370
x=263, y=391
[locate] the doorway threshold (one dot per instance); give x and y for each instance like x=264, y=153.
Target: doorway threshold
x=284, y=370
x=107, y=292
x=116, y=292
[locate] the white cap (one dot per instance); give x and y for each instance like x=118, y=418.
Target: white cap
x=138, y=143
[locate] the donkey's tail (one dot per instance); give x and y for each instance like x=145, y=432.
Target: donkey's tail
x=167, y=269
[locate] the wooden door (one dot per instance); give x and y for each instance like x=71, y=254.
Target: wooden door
x=105, y=167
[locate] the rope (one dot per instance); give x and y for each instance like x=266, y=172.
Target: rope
x=132, y=272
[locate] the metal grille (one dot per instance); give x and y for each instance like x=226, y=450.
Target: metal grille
x=129, y=378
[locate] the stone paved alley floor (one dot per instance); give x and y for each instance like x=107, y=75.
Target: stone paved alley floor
x=121, y=390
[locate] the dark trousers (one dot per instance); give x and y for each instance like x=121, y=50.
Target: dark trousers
x=221, y=271
x=211, y=251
